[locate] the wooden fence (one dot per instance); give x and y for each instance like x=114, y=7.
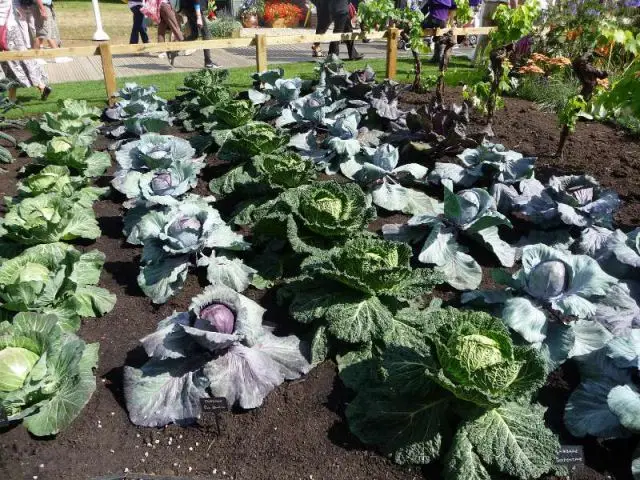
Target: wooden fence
x=259, y=41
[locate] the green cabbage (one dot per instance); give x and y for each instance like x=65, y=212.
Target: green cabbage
x=46, y=374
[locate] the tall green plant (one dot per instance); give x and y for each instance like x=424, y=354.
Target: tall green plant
x=513, y=23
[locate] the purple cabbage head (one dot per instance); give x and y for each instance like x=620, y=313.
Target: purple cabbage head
x=216, y=318
x=161, y=183
x=186, y=230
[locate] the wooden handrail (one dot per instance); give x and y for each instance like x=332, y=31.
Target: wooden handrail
x=259, y=41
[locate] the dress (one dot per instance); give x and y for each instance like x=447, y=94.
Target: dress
x=27, y=73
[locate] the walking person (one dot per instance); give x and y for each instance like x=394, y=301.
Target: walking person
x=46, y=26
x=437, y=14
x=169, y=21
x=193, y=10
x=26, y=73
x=338, y=12
x=138, y=29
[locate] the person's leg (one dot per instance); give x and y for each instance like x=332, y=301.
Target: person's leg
x=351, y=48
x=431, y=22
x=206, y=35
x=323, y=15
x=168, y=16
x=142, y=28
x=135, y=27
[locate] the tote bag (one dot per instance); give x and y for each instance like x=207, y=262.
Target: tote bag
x=151, y=10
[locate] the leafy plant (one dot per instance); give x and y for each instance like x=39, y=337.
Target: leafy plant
x=351, y=294
x=58, y=179
x=460, y=393
x=558, y=302
x=75, y=119
x=487, y=163
x=218, y=348
x=315, y=217
x=617, y=253
x=606, y=404
x=261, y=179
x=574, y=200
x=47, y=218
x=513, y=23
x=46, y=374
x=55, y=278
x=152, y=153
x=183, y=235
x=470, y=213
x=224, y=27
x=135, y=100
x=575, y=108
x=243, y=143
x=202, y=91
x=69, y=152
x=377, y=170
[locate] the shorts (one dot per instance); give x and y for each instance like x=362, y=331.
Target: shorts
x=46, y=27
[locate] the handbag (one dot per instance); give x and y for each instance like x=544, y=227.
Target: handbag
x=4, y=43
x=151, y=10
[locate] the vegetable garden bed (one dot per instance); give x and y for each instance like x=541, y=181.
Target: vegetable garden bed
x=300, y=430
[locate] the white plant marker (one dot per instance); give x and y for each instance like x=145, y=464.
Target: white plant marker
x=100, y=35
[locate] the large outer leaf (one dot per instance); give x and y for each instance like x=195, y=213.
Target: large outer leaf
x=407, y=415
x=163, y=392
x=247, y=375
x=588, y=412
x=358, y=320
x=459, y=269
x=462, y=462
x=514, y=440
x=161, y=280
x=396, y=198
x=73, y=368
x=624, y=401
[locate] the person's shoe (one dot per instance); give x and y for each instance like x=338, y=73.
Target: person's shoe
x=171, y=56
x=46, y=91
x=211, y=65
x=356, y=57
x=366, y=40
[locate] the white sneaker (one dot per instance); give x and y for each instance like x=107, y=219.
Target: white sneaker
x=41, y=61
x=63, y=59
x=162, y=55
x=188, y=52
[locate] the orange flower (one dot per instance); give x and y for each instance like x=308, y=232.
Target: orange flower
x=603, y=83
x=539, y=57
x=571, y=35
x=559, y=61
x=531, y=69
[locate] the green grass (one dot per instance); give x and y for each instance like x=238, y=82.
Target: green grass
x=460, y=71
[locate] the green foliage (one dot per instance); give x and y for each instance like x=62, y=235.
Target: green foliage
x=47, y=218
x=224, y=27
x=56, y=379
x=575, y=108
x=549, y=93
x=254, y=138
x=459, y=393
x=513, y=23
x=352, y=294
x=55, y=279
x=316, y=217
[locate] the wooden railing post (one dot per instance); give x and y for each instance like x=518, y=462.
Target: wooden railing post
x=109, y=72
x=261, y=52
x=392, y=52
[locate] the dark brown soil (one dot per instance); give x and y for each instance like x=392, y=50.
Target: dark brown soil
x=299, y=433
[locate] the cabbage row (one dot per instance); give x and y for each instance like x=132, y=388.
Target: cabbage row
x=46, y=285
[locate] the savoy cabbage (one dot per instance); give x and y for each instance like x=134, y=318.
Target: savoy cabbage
x=352, y=292
x=459, y=393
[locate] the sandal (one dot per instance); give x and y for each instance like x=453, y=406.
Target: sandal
x=317, y=53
